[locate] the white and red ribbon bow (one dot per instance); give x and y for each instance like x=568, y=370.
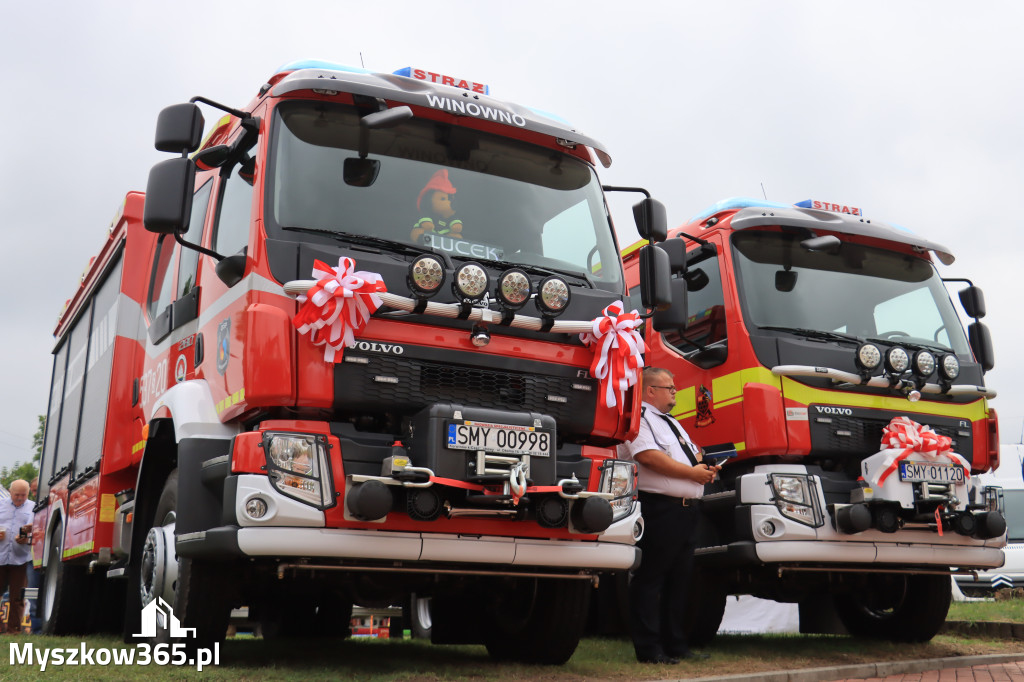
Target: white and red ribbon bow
x=338, y=306
x=618, y=357
x=909, y=437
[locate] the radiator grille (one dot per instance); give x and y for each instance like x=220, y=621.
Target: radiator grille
x=859, y=434
x=404, y=385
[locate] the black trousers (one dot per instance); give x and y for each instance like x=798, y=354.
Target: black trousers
x=658, y=590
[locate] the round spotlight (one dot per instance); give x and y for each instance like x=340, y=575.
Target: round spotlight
x=924, y=363
x=514, y=289
x=256, y=508
x=553, y=297
x=426, y=275
x=949, y=367
x=897, y=361
x=868, y=356
x=470, y=282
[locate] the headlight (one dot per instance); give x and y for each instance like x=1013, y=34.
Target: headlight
x=949, y=367
x=796, y=497
x=897, y=361
x=470, y=282
x=868, y=356
x=618, y=477
x=514, y=289
x=553, y=296
x=426, y=275
x=924, y=363
x=297, y=467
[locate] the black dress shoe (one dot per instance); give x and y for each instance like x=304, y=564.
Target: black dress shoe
x=660, y=658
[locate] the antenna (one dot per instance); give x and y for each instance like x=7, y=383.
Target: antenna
x=763, y=192
x=361, y=62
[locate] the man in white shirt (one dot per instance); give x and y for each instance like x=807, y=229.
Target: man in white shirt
x=15, y=551
x=672, y=475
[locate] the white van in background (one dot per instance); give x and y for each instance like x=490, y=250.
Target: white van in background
x=1009, y=477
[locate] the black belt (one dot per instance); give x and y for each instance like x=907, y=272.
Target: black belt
x=668, y=499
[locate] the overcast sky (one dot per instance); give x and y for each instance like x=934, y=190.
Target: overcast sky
x=910, y=110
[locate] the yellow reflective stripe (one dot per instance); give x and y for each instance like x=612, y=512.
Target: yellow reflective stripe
x=138, y=446
x=806, y=395
x=78, y=549
x=233, y=399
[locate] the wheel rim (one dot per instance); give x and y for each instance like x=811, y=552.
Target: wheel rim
x=158, y=572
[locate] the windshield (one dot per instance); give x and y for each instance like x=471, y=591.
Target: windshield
x=471, y=194
x=861, y=291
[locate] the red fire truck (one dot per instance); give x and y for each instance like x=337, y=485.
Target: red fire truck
x=294, y=379
x=797, y=334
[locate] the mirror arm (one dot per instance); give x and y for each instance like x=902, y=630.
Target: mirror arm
x=702, y=242
x=615, y=188
x=196, y=247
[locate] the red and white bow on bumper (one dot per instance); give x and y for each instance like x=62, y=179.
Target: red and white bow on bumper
x=338, y=306
x=910, y=438
x=618, y=357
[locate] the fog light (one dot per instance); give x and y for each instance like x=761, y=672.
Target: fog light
x=638, y=529
x=426, y=275
x=767, y=528
x=553, y=297
x=256, y=508
x=868, y=356
x=885, y=519
x=470, y=282
x=897, y=361
x=514, y=289
x=853, y=518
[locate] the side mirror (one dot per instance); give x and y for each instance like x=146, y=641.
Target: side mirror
x=676, y=250
x=675, y=316
x=651, y=221
x=168, y=206
x=212, y=157
x=360, y=172
x=973, y=301
x=981, y=344
x=179, y=128
x=231, y=269
x=655, y=285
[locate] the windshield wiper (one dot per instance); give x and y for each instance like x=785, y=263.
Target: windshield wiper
x=914, y=345
x=361, y=239
x=818, y=334
x=538, y=269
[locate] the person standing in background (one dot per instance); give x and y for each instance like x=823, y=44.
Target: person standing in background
x=15, y=551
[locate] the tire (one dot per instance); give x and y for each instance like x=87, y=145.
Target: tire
x=325, y=614
x=540, y=621
x=203, y=600
x=65, y=593
x=895, y=607
x=419, y=618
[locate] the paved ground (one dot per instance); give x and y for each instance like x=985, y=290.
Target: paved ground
x=990, y=668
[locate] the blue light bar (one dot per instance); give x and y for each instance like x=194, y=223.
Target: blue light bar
x=829, y=206
x=736, y=202
x=319, y=64
x=443, y=79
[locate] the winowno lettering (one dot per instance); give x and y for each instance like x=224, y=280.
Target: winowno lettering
x=478, y=110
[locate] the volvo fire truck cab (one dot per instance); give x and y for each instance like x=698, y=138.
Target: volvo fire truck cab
x=303, y=396
x=797, y=335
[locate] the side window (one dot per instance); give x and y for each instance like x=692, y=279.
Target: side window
x=189, y=261
x=160, y=281
x=232, y=231
x=705, y=301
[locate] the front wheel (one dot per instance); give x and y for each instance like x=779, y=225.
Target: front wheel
x=65, y=590
x=539, y=621
x=896, y=607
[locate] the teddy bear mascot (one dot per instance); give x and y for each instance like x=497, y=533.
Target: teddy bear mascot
x=437, y=210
